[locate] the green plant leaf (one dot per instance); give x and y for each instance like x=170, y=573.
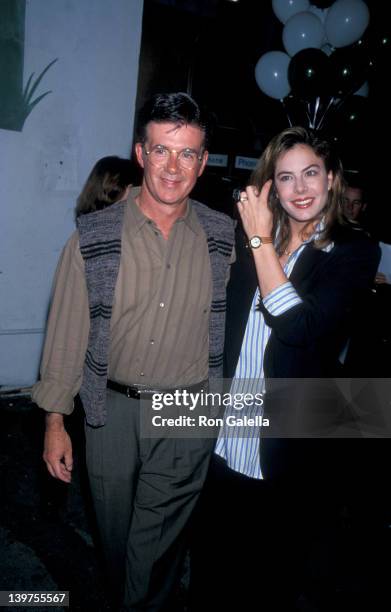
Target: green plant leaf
x=28, y=84
x=31, y=105
x=28, y=93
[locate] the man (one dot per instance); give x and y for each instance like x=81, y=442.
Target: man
x=354, y=202
x=139, y=305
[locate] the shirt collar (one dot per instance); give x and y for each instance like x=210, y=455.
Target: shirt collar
x=191, y=218
x=134, y=219
x=319, y=228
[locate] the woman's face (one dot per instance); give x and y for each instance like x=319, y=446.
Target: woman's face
x=302, y=184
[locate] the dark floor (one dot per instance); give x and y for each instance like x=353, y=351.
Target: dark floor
x=47, y=539
x=46, y=527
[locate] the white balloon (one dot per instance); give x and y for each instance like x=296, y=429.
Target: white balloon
x=363, y=91
x=284, y=9
x=302, y=31
x=320, y=13
x=346, y=22
x=271, y=74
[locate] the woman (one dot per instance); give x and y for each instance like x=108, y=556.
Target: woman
x=311, y=271
x=109, y=181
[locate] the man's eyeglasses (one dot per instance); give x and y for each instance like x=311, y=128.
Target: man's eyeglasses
x=159, y=156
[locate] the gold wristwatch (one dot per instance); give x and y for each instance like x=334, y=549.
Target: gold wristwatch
x=256, y=241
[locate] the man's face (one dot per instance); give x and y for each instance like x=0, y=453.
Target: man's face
x=169, y=181
x=353, y=203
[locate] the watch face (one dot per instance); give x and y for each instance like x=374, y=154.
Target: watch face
x=255, y=242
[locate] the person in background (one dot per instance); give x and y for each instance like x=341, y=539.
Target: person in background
x=267, y=494
x=109, y=181
x=367, y=352
x=355, y=206
x=139, y=309
x=354, y=202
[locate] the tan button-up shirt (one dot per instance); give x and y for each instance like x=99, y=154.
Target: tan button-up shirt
x=160, y=317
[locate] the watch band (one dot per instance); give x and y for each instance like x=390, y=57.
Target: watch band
x=256, y=241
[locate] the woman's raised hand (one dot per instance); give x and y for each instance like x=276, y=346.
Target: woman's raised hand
x=253, y=208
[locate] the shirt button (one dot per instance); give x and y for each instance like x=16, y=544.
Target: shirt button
x=141, y=373
x=152, y=341
x=161, y=304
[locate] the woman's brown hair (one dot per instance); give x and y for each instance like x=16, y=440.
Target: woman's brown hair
x=106, y=184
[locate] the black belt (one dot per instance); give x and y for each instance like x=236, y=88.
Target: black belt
x=135, y=392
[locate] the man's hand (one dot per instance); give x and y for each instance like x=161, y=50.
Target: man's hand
x=57, y=452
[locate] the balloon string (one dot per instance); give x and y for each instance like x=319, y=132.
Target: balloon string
x=311, y=122
x=308, y=116
x=316, y=110
x=286, y=111
x=325, y=112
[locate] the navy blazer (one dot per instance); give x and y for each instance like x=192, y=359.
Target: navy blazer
x=305, y=341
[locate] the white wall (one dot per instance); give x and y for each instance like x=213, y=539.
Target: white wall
x=89, y=114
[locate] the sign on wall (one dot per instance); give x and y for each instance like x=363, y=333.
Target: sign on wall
x=217, y=159
x=245, y=163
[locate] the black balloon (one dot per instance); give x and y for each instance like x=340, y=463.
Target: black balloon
x=322, y=4
x=376, y=44
x=383, y=42
x=296, y=110
x=308, y=73
x=353, y=112
x=348, y=69
x=349, y=120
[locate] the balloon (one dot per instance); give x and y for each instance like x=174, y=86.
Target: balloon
x=353, y=112
x=308, y=73
x=271, y=74
x=322, y=4
x=346, y=21
x=376, y=44
x=383, y=43
x=348, y=69
x=363, y=91
x=284, y=9
x=320, y=13
x=302, y=31
x=296, y=111
x=348, y=121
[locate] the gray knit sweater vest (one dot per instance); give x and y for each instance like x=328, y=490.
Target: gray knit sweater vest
x=100, y=245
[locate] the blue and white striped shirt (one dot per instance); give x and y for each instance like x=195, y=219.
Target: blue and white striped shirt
x=240, y=446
